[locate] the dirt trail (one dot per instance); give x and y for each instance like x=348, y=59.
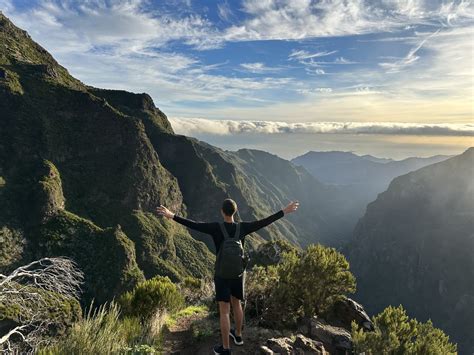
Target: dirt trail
x=179, y=338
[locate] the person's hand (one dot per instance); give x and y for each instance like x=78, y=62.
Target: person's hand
x=163, y=211
x=292, y=207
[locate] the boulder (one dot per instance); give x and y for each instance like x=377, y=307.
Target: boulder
x=304, y=345
x=264, y=350
x=336, y=340
x=281, y=346
x=347, y=310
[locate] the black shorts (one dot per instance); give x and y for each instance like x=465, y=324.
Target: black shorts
x=229, y=287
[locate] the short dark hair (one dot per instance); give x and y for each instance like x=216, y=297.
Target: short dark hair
x=229, y=207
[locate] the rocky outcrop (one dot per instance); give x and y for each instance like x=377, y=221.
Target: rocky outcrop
x=301, y=345
x=337, y=340
x=345, y=311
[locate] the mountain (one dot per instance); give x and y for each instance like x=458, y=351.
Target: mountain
x=82, y=170
x=366, y=175
x=415, y=246
x=375, y=159
x=80, y=176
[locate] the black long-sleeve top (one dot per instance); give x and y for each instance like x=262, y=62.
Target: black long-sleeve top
x=213, y=229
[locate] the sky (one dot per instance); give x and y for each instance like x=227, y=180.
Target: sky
x=387, y=78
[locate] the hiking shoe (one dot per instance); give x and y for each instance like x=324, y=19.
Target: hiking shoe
x=219, y=349
x=237, y=340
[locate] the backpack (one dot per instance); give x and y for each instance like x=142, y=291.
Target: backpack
x=230, y=262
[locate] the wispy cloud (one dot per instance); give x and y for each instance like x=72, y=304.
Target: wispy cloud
x=224, y=11
x=295, y=20
x=194, y=126
x=409, y=59
x=258, y=68
x=302, y=54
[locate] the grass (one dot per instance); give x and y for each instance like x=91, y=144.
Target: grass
x=186, y=312
x=99, y=332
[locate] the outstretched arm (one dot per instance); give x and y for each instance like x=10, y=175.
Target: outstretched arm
x=251, y=227
x=199, y=226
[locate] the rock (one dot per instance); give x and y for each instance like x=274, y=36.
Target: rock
x=280, y=345
x=335, y=339
x=304, y=345
x=347, y=310
x=264, y=350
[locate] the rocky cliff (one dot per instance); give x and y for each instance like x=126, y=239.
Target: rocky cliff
x=415, y=244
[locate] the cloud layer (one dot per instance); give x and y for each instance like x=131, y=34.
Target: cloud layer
x=200, y=126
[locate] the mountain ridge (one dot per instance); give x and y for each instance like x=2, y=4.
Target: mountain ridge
x=420, y=231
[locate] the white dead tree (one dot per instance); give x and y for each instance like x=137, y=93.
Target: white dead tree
x=33, y=292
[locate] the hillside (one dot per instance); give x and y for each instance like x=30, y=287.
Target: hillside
x=420, y=232
x=82, y=170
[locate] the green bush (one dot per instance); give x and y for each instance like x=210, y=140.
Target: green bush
x=299, y=286
x=271, y=253
x=259, y=283
x=197, y=291
x=396, y=334
x=150, y=296
x=192, y=283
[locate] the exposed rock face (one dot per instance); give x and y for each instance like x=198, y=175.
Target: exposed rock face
x=300, y=346
x=414, y=246
x=304, y=345
x=336, y=340
x=347, y=310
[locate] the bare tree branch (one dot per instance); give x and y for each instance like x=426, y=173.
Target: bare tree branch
x=31, y=291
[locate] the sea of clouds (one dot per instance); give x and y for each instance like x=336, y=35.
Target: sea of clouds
x=198, y=126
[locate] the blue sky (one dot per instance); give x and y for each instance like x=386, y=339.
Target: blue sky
x=396, y=72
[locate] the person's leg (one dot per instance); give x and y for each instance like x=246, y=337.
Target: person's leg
x=238, y=315
x=224, y=312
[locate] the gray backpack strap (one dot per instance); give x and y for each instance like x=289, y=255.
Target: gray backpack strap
x=237, y=231
x=224, y=231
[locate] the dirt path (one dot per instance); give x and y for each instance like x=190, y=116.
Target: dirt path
x=184, y=338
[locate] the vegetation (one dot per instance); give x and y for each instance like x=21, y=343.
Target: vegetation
x=38, y=301
x=396, y=334
x=186, y=312
x=197, y=291
x=100, y=332
x=271, y=253
x=300, y=286
x=151, y=296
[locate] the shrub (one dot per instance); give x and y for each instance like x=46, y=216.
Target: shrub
x=259, y=282
x=395, y=333
x=150, y=296
x=197, y=291
x=300, y=286
x=271, y=253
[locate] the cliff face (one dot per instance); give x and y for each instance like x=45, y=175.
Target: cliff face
x=415, y=244
x=103, y=172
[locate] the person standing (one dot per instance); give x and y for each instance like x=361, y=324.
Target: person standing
x=229, y=277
